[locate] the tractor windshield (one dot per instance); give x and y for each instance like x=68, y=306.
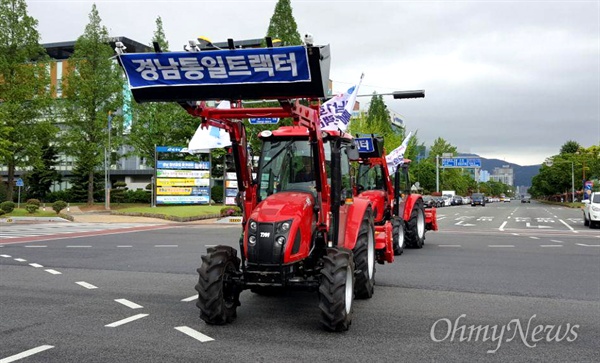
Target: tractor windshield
x=370, y=177
x=286, y=165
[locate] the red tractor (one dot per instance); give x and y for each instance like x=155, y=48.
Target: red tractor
x=393, y=203
x=302, y=228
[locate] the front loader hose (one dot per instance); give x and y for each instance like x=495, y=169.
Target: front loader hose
x=336, y=191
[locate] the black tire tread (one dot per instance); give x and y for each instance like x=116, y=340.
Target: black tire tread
x=364, y=286
x=332, y=290
x=412, y=234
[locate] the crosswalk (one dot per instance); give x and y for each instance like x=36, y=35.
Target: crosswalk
x=17, y=231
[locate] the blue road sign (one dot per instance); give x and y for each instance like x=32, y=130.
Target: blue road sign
x=364, y=145
x=20, y=183
x=461, y=163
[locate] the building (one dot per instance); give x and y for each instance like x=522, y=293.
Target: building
x=503, y=174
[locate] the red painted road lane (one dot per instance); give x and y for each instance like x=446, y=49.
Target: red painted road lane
x=67, y=235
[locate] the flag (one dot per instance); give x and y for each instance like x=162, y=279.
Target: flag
x=212, y=137
x=336, y=112
x=396, y=157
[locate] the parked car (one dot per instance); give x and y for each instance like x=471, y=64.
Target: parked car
x=591, y=210
x=429, y=201
x=457, y=200
x=439, y=202
x=477, y=199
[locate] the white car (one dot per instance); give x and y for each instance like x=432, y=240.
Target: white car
x=591, y=210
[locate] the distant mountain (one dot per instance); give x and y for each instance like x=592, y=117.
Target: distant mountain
x=523, y=174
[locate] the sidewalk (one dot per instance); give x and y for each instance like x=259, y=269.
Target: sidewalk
x=105, y=217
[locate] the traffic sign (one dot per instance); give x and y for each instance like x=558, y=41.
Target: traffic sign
x=461, y=163
x=364, y=145
x=263, y=120
x=20, y=183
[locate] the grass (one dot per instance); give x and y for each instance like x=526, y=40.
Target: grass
x=22, y=212
x=183, y=211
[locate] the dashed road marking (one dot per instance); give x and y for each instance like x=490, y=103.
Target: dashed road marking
x=35, y=246
x=6, y=256
x=86, y=285
x=551, y=246
x=166, y=245
x=36, y=265
x=515, y=234
x=53, y=272
x=500, y=246
x=585, y=245
x=125, y=321
x=502, y=226
x=569, y=227
x=191, y=298
x=26, y=353
x=532, y=237
x=78, y=246
x=555, y=240
x=124, y=246
x=20, y=260
x=129, y=304
x=194, y=334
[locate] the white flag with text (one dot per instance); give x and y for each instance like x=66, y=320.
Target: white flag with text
x=211, y=137
x=336, y=112
x=396, y=157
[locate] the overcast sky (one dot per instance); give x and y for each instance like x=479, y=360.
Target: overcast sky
x=512, y=80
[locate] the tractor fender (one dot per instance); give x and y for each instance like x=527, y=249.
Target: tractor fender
x=409, y=204
x=354, y=217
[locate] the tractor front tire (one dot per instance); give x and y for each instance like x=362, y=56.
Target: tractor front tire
x=218, y=295
x=336, y=291
x=364, y=258
x=398, y=235
x=415, y=231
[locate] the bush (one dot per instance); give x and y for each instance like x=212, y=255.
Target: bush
x=7, y=206
x=59, y=205
x=31, y=208
x=34, y=201
x=231, y=211
x=58, y=195
x=2, y=212
x=216, y=194
x=137, y=196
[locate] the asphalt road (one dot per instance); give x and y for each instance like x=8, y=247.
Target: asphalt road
x=516, y=273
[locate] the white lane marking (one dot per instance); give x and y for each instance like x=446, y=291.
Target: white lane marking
x=515, y=234
x=584, y=245
x=124, y=246
x=20, y=259
x=35, y=246
x=165, y=245
x=53, y=272
x=449, y=245
x=191, y=298
x=502, y=226
x=532, y=237
x=26, y=353
x=36, y=265
x=194, y=334
x=129, y=304
x=555, y=240
x=125, y=321
x=86, y=285
x=6, y=256
x=440, y=218
x=500, y=246
x=78, y=246
x=551, y=246
x=569, y=227
x=209, y=246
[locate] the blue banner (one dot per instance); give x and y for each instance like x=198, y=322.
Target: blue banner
x=263, y=120
x=364, y=145
x=169, y=149
x=219, y=67
x=461, y=163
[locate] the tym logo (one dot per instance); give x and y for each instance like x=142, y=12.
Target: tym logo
x=265, y=234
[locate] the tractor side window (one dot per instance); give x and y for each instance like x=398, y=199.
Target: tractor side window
x=345, y=168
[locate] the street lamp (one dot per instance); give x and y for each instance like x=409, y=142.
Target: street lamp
x=107, y=155
x=549, y=162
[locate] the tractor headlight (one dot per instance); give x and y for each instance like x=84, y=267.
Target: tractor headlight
x=252, y=240
x=283, y=227
x=280, y=240
x=253, y=226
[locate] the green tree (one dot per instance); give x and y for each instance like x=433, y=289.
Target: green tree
x=40, y=179
x=570, y=147
x=283, y=26
x=92, y=88
x=161, y=124
x=24, y=89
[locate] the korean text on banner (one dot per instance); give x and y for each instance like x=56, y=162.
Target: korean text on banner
x=335, y=113
x=396, y=157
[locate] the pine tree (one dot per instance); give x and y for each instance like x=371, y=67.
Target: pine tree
x=92, y=88
x=283, y=26
x=44, y=174
x=24, y=89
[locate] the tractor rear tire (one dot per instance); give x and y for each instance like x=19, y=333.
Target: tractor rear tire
x=398, y=235
x=336, y=291
x=364, y=258
x=218, y=296
x=415, y=231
